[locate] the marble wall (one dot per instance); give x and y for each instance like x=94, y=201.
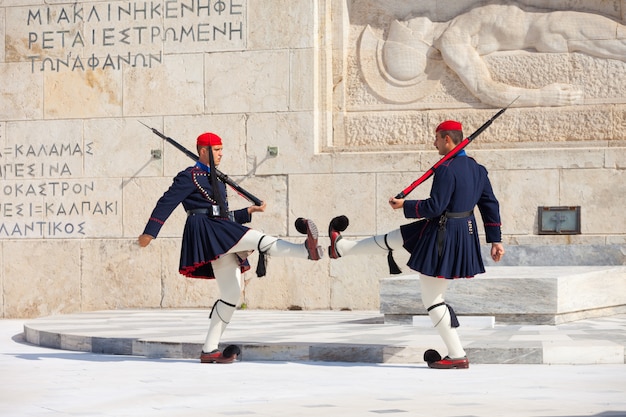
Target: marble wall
x=319, y=80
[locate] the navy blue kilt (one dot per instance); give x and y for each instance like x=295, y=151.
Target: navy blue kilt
x=460, y=256
x=204, y=240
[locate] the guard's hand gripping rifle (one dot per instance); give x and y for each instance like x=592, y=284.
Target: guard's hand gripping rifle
x=452, y=153
x=223, y=177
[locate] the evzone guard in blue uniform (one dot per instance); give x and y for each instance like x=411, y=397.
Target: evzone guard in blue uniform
x=215, y=242
x=444, y=243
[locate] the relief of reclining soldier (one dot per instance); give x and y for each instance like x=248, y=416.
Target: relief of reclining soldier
x=410, y=62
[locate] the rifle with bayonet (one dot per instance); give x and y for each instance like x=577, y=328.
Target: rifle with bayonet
x=458, y=148
x=223, y=177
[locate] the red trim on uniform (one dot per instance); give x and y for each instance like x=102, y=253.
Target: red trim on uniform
x=153, y=219
x=188, y=270
x=456, y=277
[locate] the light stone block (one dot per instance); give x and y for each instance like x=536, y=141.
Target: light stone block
x=131, y=279
x=534, y=159
x=303, y=75
x=165, y=89
x=289, y=283
x=121, y=148
x=2, y=35
x=2, y=279
x=177, y=290
x=355, y=283
x=600, y=193
x=589, y=352
x=580, y=292
x=35, y=285
x=286, y=24
x=322, y=197
x=273, y=190
x=80, y=94
x=262, y=82
x=615, y=158
x=25, y=103
x=519, y=192
x=389, y=185
x=140, y=196
x=295, y=156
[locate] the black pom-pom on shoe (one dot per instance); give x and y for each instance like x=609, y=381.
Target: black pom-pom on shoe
x=300, y=224
x=431, y=355
x=340, y=223
x=231, y=351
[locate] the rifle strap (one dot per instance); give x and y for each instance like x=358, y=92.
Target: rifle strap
x=217, y=193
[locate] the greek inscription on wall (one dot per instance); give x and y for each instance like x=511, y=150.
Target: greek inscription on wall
x=41, y=196
x=111, y=35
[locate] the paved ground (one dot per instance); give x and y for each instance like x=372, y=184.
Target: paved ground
x=37, y=381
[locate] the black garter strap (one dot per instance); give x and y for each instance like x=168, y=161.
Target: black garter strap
x=454, y=321
x=218, y=313
x=393, y=266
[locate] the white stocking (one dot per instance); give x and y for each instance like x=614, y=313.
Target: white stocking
x=270, y=245
x=433, y=290
x=228, y=277
x=374, y=245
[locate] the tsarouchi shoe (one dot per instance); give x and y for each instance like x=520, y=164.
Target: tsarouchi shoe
x=315, y=251
x=216, y=356
x=336, y=226
x=449, y=363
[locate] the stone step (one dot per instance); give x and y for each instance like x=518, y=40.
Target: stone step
x=522, y=295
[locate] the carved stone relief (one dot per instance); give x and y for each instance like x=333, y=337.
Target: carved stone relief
x=407, y=71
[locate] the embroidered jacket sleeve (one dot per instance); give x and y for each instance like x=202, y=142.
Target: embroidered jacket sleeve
x=440, y=195
x=242, y=216
x=490, y=212
x=182, y=186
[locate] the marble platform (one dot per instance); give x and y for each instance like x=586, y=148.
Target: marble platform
x=522, y=295
x=326, y=336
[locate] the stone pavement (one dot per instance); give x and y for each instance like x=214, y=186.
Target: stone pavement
x=344, y=336
x=38, y=381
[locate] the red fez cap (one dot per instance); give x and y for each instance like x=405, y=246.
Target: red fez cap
x=449, y=125
x=209, y=139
